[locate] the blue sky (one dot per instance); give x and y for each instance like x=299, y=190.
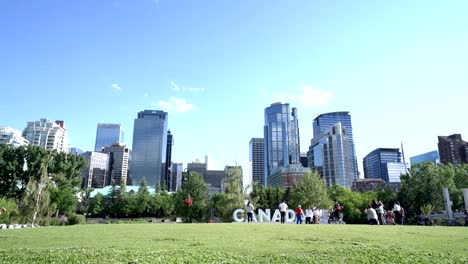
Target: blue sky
x=399, y=67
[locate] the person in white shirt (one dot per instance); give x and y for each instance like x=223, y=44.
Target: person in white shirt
x=283, y=210
x=316, y=214
x=371, y=216
x=250, y=209
x=308, y=215
x=397, y=212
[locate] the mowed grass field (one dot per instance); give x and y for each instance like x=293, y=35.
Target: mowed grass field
x=234, y=243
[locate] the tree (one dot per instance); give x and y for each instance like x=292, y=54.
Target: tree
x=9, y=210
x=270, y=197
x=354, y=203
x=96, y=207
x=198, y=191
x=423, y=185
x=310, y=192
x=233, y=197
x=143, y=198
x=36, y=206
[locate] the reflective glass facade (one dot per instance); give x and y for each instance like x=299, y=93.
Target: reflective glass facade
x=432, y=156
x=281, y=137
x=323, y=122
x=331, y=155
x=385, y=164
x=108, y=134
x=149, y=147
x=257, y=161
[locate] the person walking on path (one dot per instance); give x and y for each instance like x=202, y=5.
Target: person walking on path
x=250, y=210
x=308, y=215
x=299, y=215
x=283, y=206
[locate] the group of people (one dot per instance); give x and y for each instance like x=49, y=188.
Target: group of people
x=377, y=215
x=312, y=216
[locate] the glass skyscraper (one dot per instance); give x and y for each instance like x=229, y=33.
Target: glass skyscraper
x=257, y=161
x=330, y=154
x=324, y=122
x=385, y=164
x=149, y=147
x=281, y=137
x=107, y=135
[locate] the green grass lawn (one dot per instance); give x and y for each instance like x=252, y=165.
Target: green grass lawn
x=234, y=243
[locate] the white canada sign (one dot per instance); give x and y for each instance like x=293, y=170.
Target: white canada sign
x=264, y=216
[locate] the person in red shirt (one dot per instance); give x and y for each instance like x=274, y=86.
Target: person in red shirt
x=299, y=214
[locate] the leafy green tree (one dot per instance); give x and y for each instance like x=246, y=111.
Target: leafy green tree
x=354, y=203
x=270, y=197
x=10, y=213
x=197, y=189
x=233, y=197
x=143, y=198
x=167, y=204
x=17, y=167
x=387, y=196
x=112, y=202
x=423, y=185
x=36, y=206
x=310, y=191
x=96, y=207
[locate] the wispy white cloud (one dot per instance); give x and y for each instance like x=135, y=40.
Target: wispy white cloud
x=196, y=90
x=180, y=88
x=146, y=95
x=178, y=105
x=312, y=97
x=116, y=87
x=307, y=97
x=175, y=86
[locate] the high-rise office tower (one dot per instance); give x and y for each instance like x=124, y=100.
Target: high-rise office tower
x=257, y=161
x=149, y=147
x=12, y=137
x=51, y=135
x=168, y=162
x=324, y=122
x=281, y=137
x=453, y=149
x=176, y=176
x=95, y=173
x=385, y=164
x=118, y=163
x=108, y=134
x=330, y=154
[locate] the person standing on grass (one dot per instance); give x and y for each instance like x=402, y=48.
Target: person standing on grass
x=283, y=206
x=396, y=212
x=299, y=214
x=380, y=212
x=371, y=216
x=316, y=214
x=390, y=218
x=250, y=210
x=402, y=215
x=308, y=215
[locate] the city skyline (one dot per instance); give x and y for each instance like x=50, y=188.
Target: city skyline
x=398, y=68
